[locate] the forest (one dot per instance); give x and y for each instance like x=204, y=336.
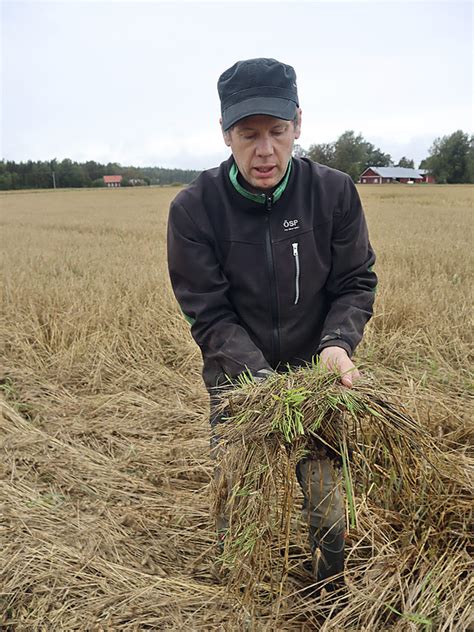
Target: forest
x=450, y=161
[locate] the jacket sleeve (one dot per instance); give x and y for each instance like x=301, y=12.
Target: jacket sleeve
x=351, y=283
x=201, y=289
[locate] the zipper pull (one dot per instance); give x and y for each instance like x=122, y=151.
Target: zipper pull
x=268, y=203
x=297, y=272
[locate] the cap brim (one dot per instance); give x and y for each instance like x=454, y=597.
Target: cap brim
x=272, y=106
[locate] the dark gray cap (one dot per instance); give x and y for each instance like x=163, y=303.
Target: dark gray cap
x=257, y=86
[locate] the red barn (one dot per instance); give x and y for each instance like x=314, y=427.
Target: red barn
x=112, y=181
x=384, y=175
x=427, y=177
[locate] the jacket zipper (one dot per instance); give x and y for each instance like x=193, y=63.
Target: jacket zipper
x=297, y=273
x=273, y=289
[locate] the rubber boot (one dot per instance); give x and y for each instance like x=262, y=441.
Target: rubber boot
x=222, y=528
x=330, y=561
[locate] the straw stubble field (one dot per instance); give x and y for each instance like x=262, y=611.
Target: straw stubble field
x=105, y=472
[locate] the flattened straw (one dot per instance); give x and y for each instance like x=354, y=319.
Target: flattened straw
x=272, y=426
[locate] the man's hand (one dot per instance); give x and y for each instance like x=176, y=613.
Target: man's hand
x=336, y=359
x=262, y=375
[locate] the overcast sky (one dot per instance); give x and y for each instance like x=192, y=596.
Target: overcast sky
x=135, y=82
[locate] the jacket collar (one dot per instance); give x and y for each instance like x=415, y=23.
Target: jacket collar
x=260, y=198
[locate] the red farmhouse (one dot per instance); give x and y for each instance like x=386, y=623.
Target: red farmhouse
x=383, y=175
x=112, y=181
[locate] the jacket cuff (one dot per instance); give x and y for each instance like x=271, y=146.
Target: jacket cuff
x=335, y=342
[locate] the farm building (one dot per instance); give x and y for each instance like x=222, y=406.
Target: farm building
x=112, y=181
x=383, y=175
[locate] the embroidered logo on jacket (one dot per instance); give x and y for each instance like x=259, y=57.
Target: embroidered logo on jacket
x=290, y=224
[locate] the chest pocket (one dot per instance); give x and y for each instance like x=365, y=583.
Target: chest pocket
x=302, y=263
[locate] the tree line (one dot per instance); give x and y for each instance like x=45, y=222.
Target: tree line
x=450, y=160
x=45, y=174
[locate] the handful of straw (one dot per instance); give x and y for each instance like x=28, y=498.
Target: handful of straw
x=271, y=426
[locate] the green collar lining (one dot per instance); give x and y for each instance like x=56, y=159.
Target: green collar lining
x=260, y=198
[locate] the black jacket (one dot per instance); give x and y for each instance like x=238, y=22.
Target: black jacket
x=269, y=280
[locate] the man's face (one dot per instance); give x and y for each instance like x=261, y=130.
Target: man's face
x=262, y=146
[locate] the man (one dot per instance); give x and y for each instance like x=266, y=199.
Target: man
x=270, y=261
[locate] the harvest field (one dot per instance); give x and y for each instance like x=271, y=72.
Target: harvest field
x=105, y=474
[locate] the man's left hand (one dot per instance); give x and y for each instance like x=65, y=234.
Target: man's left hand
x=336, y=359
